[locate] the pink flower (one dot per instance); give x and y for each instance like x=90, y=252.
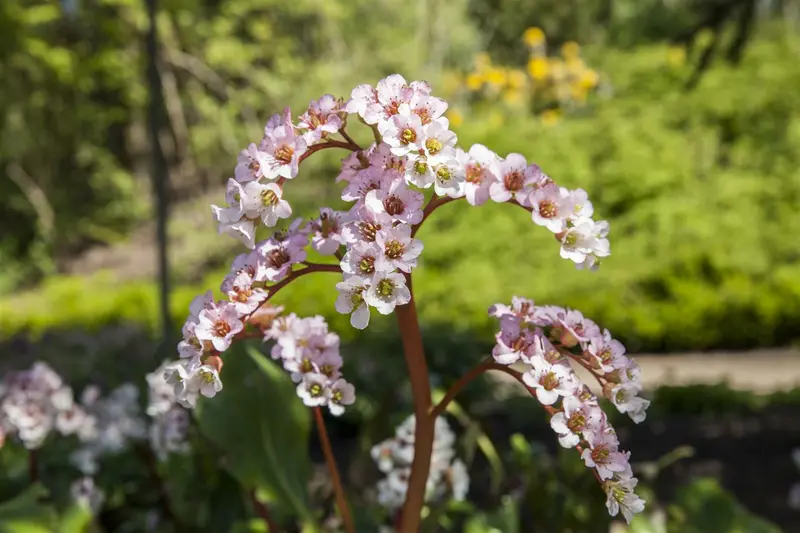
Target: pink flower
x=264, y=201
x=576, y=418
x=364, y=225
x=391, y=166
x=283, y=148
x=351, y=300
x=428, y=108
x=439, y=142
x=392, y=92
x=244, y=296
x=403, y=133
x=603, y=454
x=513, y=341
x=364, y=102
x=511, y=179
x=621, y=498
x=585, y=238
x=327, y=231
x=219, y=325
x=340, y=393
x=399, y=249
x=520, y=307
x=351, y=166
x=363, y=259
x=550, y=381
x=313, y=390
x=279, y=257
x=387, y=290
x=448, y=178
x=607, y=352
x=362, y=184
x=321, y=118
x=398, y=201
x=481, y=168
x=250, y=164
x=550, y=207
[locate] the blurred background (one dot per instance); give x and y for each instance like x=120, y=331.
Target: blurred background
x=681, y=118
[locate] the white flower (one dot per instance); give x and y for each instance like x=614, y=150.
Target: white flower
x=403, y=133
x=313, y=389
x=398, y=201
x=327, y=231
x=364, y=101
x=363, y=259
x=550, y=381
x=511, y=179
x=282, y=147
x=219, y=325
x=481, y=170
x=448, y=178
x=621, y=498
x=603, y=454
x=264, y=201
x=244, y=296
x=386, y=291
x=625, y=397
x=340, y=393
x=250, y=164
x=585, y=238
x=459, y=480
x=439, y=142
x=243, y=230
x=398, y=247
x=206, y=381
x=550, y=207
x=351, y=300
x=576, y=418
x=321, y=118
x=85, y=493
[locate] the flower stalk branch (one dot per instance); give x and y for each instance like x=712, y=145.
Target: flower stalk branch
x=330, y=460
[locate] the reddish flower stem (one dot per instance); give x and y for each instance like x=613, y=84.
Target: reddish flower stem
x=33, y=466
x=434, y=202
x=413, y=350
x=330, y=143
x=263, y=511
x=462, y=382
x=330, y=460
x=347, y=137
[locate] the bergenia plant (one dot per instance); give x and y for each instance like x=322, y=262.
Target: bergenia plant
x=412, y=168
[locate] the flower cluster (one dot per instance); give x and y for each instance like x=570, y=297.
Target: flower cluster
x=255, y=193
x=549, y=84
x=36, y=401
x=448, y=475
x=310, y=353
x=118, y=422
x=547, y=338
x=87, y=494
x=169, y=426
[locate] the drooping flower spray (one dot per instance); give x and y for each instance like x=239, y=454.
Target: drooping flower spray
x=374, y=250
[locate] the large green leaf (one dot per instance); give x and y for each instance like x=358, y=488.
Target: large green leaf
x=262, y=429
x=25, y=513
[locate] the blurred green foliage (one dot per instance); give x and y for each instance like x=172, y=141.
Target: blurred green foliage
x=701, y=188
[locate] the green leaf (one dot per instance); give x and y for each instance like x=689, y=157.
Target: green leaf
x=261, y=428
x=26, y=514
x=77, y=519
x=705, y=506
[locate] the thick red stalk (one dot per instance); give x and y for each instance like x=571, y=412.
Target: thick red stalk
x=408, y=323
x=330, y=460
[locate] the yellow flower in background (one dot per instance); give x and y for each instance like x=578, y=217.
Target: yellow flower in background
x=579, y=92
x=474, y=81
x=512, y=96
x=551, y=117
x=533, y=37
x=575, y=66
x=482, y=61
x=558, y=70
x=570, y=50
x=676, y=56
x=496, y=77
x=589, y=79
x=538, y=68
x=516, y=79
x=455, y=117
